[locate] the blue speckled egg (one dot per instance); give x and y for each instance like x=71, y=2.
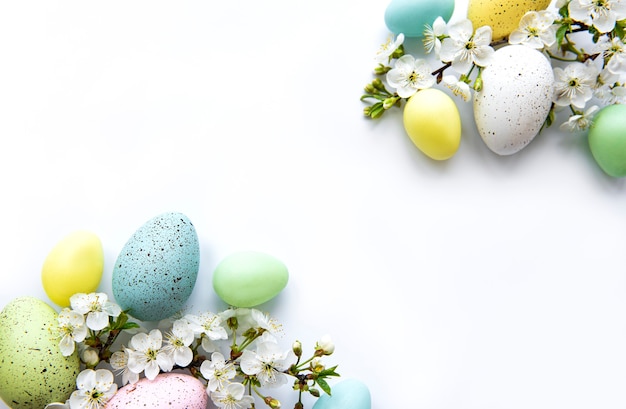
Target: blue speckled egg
x=157, y=268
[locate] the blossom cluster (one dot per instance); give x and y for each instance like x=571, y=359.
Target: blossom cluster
x=243, y=344
x=585, y=79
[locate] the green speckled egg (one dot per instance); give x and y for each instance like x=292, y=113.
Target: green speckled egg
x=33, y=372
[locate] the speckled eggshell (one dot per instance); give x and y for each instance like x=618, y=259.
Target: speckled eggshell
x=33, y=371
x=168, y=390
x=515, y=99
x=156, y=270
x=502, y=16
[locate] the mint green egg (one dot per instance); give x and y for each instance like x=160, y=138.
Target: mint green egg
x=249, y=278
x=411, y=16
x=346, y=394
x=607, y=139
x=33, y=371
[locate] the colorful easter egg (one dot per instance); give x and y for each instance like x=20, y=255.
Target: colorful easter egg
x=167, y=391
x=411, y=16
x=515, y=99
x=607, y=139
x=74, y=265
x=432, y=121
x=156, y=270
x=249, y=278
x=503, y=16
x=33, y=371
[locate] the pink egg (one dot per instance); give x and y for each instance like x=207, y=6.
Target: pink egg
x=167, y=390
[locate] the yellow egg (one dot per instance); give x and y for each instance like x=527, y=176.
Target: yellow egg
x=502, y=16
x=73, y=266
x=432, y=121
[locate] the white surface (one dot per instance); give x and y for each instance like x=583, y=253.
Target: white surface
x=480, y=282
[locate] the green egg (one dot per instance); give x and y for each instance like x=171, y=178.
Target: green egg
x=33, y=372
x=607, y=139
x=249, y=278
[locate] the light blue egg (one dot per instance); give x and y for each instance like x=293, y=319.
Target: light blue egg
x=347, y=394
x=157, y=268
x=410, y=16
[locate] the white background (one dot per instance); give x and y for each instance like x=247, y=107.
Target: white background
x=480, y=282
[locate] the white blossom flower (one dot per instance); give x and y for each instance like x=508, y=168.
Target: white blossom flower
x=611, y=93
x=602, y=14
x=458, y=88
x=464, y=47
x=95, y=388
x=580, y=122
x=574, y=84
x=242, y=316
x=410, y=75
x=325, y=345
x=267, y=363
x=217, y=372
x=178, y=341
x=72, y=329
x=147, y=354
x=232, y=397
x=208, y=326
x=266, y=322
x=614, y=52
x=97, y=307
x=119, y=362
x=536, y=30
x=384, y=53
x=434, y=34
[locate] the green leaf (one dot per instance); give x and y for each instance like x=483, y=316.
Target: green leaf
x=329, y=372
x=324, y=385
x=129, y=325
x=564, y=11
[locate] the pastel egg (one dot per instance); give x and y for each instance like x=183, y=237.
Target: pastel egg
x=607, y=139
x=249, y=278
x=74, y=265
x=432, y=121
x=411, y=16
x=156, y=270
x=33, y=371
x=168, y=390
x=347, y=394
x=515, y=99
x=503, y=16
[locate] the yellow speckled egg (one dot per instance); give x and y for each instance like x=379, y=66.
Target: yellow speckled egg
x=432, y=121
x=502, y=15
x=74, y=265
x=33, y=371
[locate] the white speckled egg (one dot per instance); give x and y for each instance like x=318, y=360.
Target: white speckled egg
x=515, y=99
x=168, y=390
x=33, y=371
x=156, y=270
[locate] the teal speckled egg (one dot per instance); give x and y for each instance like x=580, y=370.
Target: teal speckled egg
x=33, y=371
x=249, y=278
x=156, y=270
x=411, y=16
x=607, y=139
x=347, y=394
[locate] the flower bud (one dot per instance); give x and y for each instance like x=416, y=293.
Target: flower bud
x=378, y=84
x=369, y=88
x=381, y=69
x=90, y=357
x=389, y=102
x=315, y=392
x=324, y=346
x=297, y=348
x=272, y=403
